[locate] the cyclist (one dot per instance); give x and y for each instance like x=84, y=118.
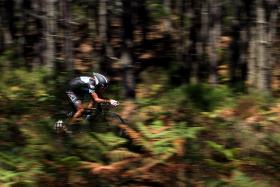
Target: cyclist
x=94, y=86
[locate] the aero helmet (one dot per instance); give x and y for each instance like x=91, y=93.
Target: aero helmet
x=100, y=80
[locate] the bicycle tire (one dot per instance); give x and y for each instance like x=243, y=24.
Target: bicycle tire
x=114, y=121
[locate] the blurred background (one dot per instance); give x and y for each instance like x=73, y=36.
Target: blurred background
x=198, y=82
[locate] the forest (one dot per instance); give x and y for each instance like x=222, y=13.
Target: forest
x=198, y=82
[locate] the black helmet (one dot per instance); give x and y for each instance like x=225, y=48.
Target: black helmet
x=100, y=80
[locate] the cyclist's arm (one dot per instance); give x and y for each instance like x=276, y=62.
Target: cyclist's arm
x=97, y=99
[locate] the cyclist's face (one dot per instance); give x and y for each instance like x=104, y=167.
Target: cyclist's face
x=102, y=89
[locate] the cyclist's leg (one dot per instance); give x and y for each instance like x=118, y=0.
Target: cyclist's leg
x=91, y=104
x=77, y=103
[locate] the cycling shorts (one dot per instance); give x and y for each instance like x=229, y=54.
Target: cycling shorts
x=75, y=99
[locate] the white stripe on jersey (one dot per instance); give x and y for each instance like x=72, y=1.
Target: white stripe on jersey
x=85, y=79
x=88, y=80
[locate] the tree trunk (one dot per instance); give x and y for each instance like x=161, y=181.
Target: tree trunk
x=252, y=61
x=167, y=21
x=93, y=31
x=143, y=18
x=262, y=58
x=49, y=34
x=67, y=31
x=183, y=41
x=38, y=46
x=191, y=52
x=126, y=56
x=214, y=34
x=2, y=39
x=104, y=33
x=27, y=34
x=10, y=15
x=272, y=10
x=204, y=33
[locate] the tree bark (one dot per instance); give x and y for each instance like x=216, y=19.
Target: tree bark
x=126, y=56
x=2, y=39
x=252, y=61
x=49, y=34
x=203, y=34
x=214, y=34
x=27, y=34
x=10, y=15
x=272, y=11
x=67, y=31
x=92, y=14
x=262, y=58
x=104, y=33
x=191, y=62
x=167, y=21
x=38, y=46
x=143, y=18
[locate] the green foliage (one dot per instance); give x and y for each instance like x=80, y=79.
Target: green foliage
x=79, y=13
x=199, y=96
x=109, y=139
x=22, y=91
x=163, y=141
x=241, y=180
x=70, y=161
x=228, y=153
x=18, y=170
x=120, y=154
x=238, y=179
x=157, y=10
x=207, y=98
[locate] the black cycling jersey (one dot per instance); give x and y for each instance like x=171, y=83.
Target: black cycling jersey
x=79, y=87
x=82, y=85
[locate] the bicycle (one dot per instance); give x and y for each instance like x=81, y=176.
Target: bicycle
x=98, y=118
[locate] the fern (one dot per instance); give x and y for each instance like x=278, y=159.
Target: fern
x=70, y=161
x=19, y=171
x=239, y=179
x=163, y=141
x=147, y=132
x=228, y=153
x=121, y=154
x=136, y=138
x=109, y=139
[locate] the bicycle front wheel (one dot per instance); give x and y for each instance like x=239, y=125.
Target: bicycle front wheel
x=114, y=122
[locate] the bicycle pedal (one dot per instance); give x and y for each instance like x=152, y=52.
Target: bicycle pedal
x=70, y=114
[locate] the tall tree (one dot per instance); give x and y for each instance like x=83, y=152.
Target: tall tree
x=240, y=35
x=167, y=17
x=262, y=59
x=50, y=29
x=272, y=11
x=67, y=32
x=2, y=41
x=39, y=44
x=28, y=33
x=11, y=19
x=183, y=40
x=92, y=14
x=127, y=47
x=190, y=61
x=203, y=33
x=214, y=34
x=252, y=45
x=104, y=34
x=143, y=18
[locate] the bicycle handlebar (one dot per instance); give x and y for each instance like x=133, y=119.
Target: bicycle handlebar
x=101, y=106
